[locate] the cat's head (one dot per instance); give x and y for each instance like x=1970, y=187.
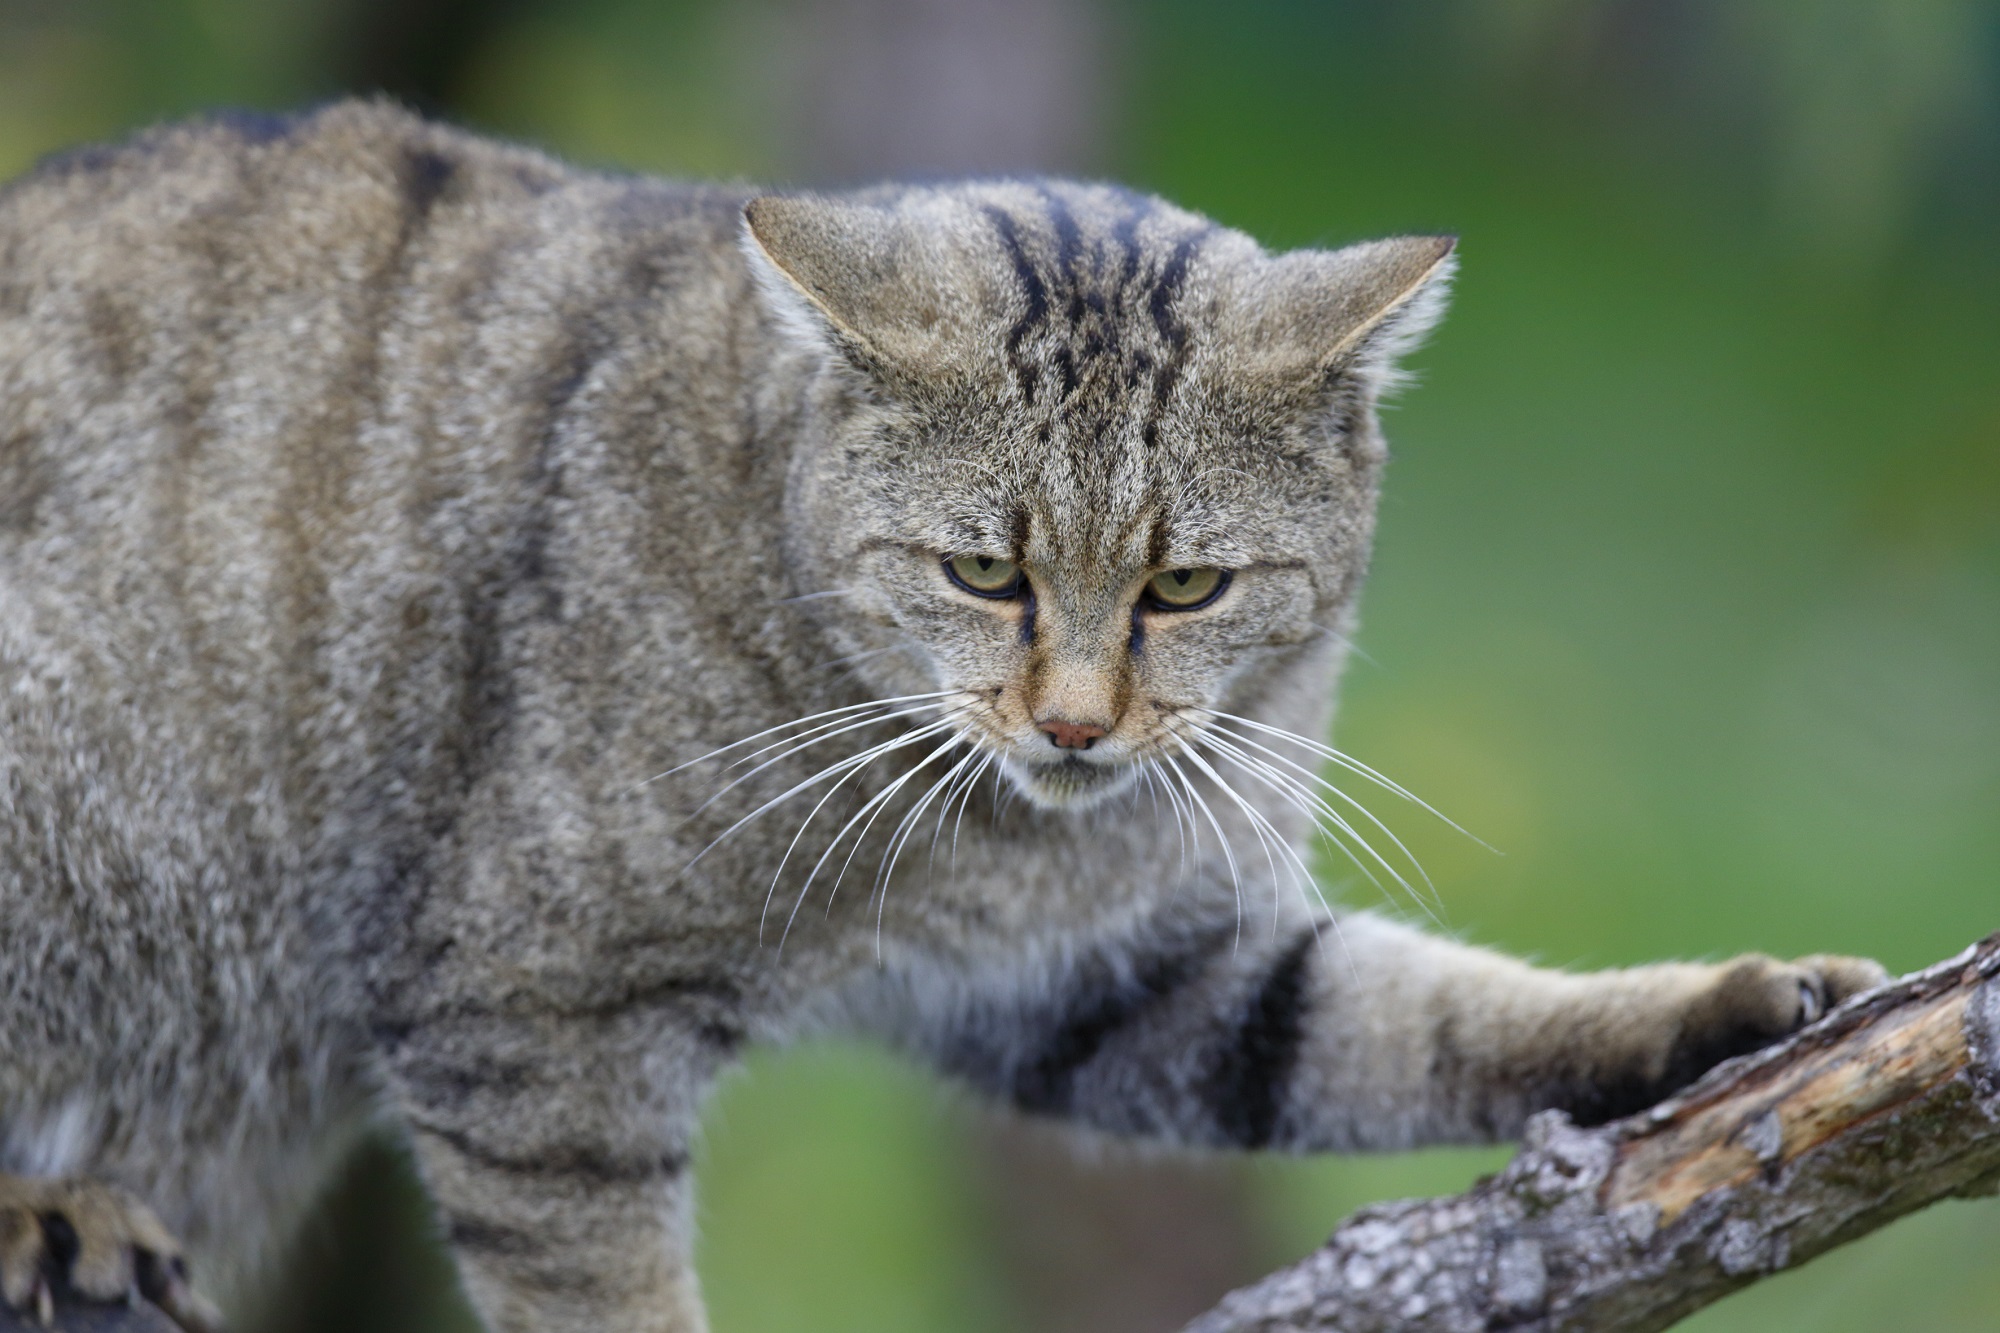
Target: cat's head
x=1094, y=462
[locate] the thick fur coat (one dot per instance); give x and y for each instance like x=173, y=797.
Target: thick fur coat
x=385, y=511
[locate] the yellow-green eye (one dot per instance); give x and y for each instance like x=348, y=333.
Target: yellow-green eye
x=987, y=575
x=1185, y=589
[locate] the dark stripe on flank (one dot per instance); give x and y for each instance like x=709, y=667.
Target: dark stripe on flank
x=1247, y=1086
x=569, y=1160
x=1048, y=1083
x=495, y=1238
x=1033, y=291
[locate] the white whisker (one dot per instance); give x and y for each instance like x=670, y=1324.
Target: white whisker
x=900, y=839
x=1184, y=824
x=799, y=745
x=764, y=916
x=872, y=809
x=813, y=596
x=866, y=757
x=1325, y=813
x=1346, y=761
x=1320, y=813
x=1228, y=854
x=1267, y=833
x=796, y=722
x=958, y=791
x=986, y=765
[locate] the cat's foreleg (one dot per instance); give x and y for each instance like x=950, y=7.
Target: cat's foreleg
x=1361, y=1035
x=556, y=1152
x=1416, y=1039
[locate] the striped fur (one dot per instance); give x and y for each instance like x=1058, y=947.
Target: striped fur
x=390, y=521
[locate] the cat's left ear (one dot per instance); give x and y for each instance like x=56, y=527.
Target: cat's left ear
x=1313, y=319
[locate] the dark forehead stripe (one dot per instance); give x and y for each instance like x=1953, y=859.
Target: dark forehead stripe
x=1069, y=243
x=1033, y=291
x=1162, y=305
x=1103, y=294
x=1138, y=208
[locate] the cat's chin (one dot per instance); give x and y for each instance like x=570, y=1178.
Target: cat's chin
x=1070, y=784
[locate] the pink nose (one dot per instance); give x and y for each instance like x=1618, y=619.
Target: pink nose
x=1071, y=735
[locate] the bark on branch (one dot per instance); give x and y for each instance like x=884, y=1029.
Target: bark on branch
x=1889, y=1103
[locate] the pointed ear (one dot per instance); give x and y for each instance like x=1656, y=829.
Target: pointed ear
x=1306, y=317
x=879, y=288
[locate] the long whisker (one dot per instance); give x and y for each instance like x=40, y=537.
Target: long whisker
x=795, y=722
x=1235, y=876
x=1184, y=823
x=1149, y=775
x=764, y=916
x=1256, y=824
x=1302, y=880
x=906, y=826
x=959, y=791
x=870, y=809
x=813, y=596
x=964, y=801
x=1436, y=904
x=867, y=756
x=1267, y=834
x=1316, y=809
x=901, y=838
x=834, y=727
x=1300, y=799
x=838, y=730
x=1348, y=762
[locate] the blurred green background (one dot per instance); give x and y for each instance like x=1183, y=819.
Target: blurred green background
x=1688, y=593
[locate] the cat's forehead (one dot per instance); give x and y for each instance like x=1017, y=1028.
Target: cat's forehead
x=1096, y=328
x=1103, y=427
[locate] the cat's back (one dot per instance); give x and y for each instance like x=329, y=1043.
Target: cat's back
x=285, y=402
x=247, y=290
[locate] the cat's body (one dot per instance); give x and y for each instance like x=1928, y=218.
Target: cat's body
x=381, y=507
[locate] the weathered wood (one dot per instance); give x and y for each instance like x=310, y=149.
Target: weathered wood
x=1889, y=1103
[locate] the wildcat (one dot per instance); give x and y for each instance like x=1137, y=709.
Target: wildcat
x=482, y=641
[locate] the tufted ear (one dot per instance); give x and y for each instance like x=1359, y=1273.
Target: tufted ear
x=1303, y=318
x=884, y=288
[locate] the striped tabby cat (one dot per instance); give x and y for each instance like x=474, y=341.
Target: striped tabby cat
x=481, y=642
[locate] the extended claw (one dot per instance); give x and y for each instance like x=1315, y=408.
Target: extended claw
x=97, y=1241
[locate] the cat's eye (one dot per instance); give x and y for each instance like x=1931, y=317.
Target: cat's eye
x=1186, y=589
x=985, y=575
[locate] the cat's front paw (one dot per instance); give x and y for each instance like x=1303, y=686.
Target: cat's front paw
x=1756, y=999
x=94, y=1240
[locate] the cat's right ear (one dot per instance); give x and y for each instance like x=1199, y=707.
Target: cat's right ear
x=858, y=281
x=1313, y=320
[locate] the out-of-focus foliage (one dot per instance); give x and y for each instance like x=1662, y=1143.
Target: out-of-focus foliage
x=1688, y=593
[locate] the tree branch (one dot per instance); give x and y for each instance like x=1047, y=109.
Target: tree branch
x=1888, y=1104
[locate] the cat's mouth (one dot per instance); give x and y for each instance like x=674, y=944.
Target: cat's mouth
x=1069, y=782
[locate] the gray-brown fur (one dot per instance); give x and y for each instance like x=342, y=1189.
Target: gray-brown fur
x=381, y=507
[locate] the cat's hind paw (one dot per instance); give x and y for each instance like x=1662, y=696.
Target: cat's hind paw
x=93, y=1240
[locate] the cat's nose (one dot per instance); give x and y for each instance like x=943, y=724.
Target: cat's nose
x=1071, y=735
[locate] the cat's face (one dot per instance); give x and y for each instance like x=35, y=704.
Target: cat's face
x=1091, y=461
